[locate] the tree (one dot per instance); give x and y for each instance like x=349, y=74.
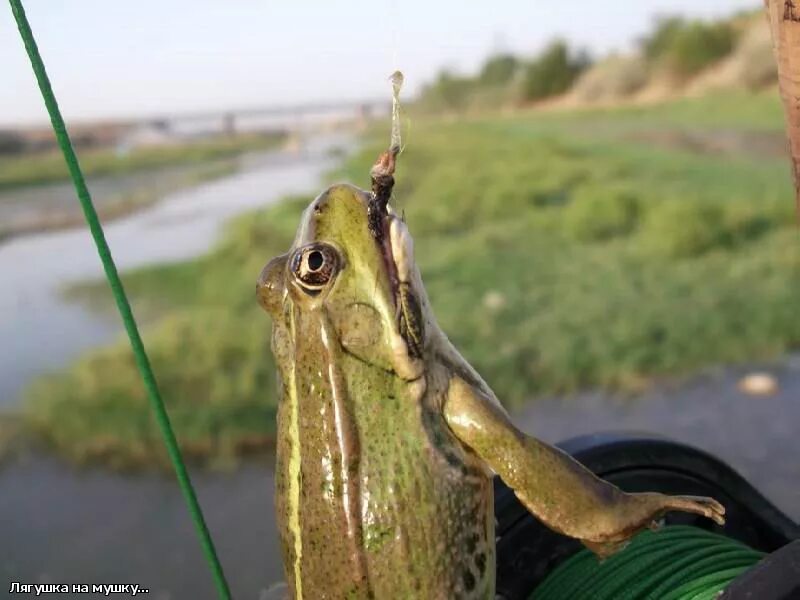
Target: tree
x=450, y=92
x=498, y=70
x=553, y=72
x=687, y=47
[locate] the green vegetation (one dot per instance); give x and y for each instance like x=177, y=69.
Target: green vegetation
x=687, y=47
x=594, y=214
x=505, y=79
x=675, y=53
x=499, y=70
x=448, y=93
x=552, y=73
x=33, y=169
x=561, y=251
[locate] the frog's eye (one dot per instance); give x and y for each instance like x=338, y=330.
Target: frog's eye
x=314, y=266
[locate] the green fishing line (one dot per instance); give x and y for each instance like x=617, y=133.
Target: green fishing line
x=140, y=355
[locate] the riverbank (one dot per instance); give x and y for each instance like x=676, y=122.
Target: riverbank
x=36, y=195
x=561, y=253
x=26, y=215
x=48, y=167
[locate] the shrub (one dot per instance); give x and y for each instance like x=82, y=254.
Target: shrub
x=683, y=228
x=498, y=70
x=552, y=73
x=599, y=214
x=657, y=44
x=448, y=92
x=687, y=47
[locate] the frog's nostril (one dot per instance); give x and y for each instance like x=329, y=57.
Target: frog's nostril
x=315, y=260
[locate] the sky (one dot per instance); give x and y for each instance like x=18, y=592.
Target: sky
x=114, y=59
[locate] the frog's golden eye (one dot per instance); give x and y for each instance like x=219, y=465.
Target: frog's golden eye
x=314, y=266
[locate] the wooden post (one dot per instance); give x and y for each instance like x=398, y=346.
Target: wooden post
x=784, y=21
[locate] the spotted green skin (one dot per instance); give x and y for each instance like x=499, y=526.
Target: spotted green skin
x=375, y=496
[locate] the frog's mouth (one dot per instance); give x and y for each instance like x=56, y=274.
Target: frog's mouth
x=381, y=229
x=394, y=241
x=397, y=249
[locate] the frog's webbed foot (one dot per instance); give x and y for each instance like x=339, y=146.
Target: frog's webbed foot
x=699, y=505
x=646, y=510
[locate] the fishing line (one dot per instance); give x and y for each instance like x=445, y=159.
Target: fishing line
x=397, y=109
x=397, y=84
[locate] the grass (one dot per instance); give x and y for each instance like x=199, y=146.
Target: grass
x=559, y=253
x=49, y=167
x=732, y=111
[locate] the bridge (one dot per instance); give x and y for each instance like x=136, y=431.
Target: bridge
x=287, y=118
x=293, y=120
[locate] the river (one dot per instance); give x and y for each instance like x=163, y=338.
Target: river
x=40, y=331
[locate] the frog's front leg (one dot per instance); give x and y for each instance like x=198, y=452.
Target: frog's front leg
x=556, y=488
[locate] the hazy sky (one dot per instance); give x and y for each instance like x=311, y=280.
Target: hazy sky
x=110, y=58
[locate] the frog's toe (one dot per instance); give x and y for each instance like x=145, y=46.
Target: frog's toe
x=700, y=505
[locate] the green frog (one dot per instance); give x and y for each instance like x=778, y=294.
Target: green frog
x=388, y=439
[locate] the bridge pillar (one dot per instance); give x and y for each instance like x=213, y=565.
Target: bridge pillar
x=229, y=124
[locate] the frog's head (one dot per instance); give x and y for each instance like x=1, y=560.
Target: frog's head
x=351, y=269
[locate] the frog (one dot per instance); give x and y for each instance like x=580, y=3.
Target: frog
x=388, y=439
